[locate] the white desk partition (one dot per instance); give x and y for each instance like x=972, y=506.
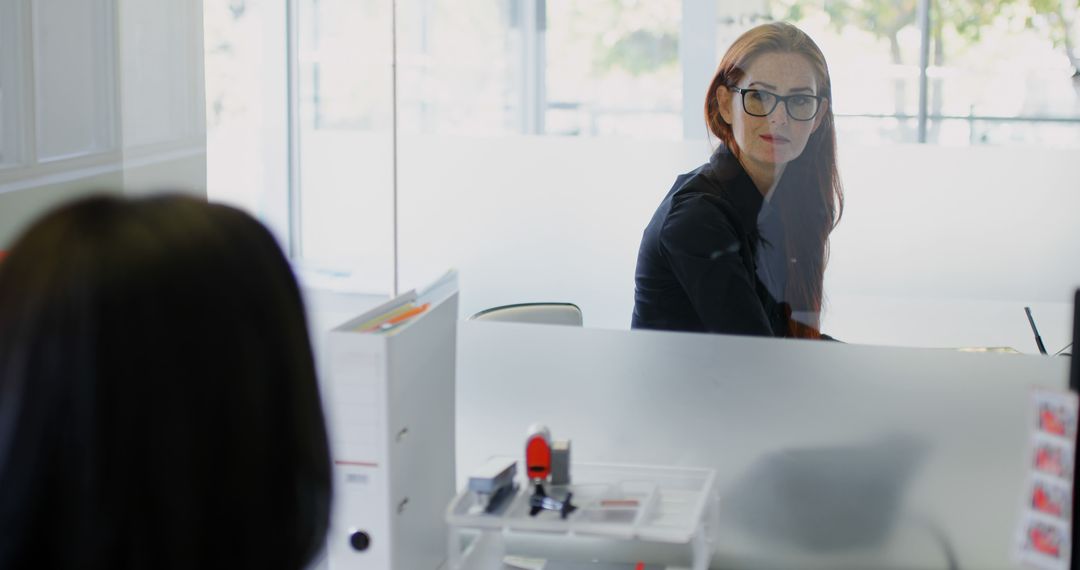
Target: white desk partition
x=828, y=455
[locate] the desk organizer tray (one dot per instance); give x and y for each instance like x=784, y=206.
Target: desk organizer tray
x=619, y=502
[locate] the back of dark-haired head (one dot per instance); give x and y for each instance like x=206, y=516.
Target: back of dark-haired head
x=158, y=399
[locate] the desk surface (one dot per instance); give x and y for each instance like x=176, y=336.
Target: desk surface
x=827, y=455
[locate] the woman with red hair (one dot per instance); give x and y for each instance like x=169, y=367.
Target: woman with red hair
x=739, y=245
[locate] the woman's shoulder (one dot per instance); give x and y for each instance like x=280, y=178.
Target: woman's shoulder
x=702, y=187
x=698, y=205
x=710, y=179
x=706, y=201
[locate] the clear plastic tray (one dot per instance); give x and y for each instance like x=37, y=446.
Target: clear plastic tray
x=623, y=502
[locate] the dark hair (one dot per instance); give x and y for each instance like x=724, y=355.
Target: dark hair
x=817, y=206
x=158, y=398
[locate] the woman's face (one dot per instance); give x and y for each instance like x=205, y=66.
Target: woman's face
x=777, y=138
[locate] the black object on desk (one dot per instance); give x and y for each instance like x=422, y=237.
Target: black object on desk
x=1074, y=368
x=1074, y=385
x=1035, y=331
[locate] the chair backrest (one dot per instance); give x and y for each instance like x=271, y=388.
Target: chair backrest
x=535, y=313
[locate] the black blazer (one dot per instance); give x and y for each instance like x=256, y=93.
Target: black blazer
x=696, y=268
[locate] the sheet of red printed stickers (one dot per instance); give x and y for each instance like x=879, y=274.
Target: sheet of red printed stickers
x=1045, y=529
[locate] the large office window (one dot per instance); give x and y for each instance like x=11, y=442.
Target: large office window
x=344, y=153
x=998, y=73
x=299, y=118
x=872, y=49
x=1005, y=74
x=576, y=68
x=537, y=67
x=462, y=83
x=454, y=76
x=612, y=69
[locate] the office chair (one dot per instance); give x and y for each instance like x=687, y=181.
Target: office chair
x=536, y=313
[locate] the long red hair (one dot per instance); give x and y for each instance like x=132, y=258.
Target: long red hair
x=814, y=208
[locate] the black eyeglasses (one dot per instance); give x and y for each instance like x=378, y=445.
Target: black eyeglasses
x=758, y=103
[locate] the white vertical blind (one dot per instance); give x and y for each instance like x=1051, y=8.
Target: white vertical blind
x=97, y=95
x=74, y=77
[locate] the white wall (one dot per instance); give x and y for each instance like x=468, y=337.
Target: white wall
x=945, y=246
x=981, y=222
x=938, y=246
